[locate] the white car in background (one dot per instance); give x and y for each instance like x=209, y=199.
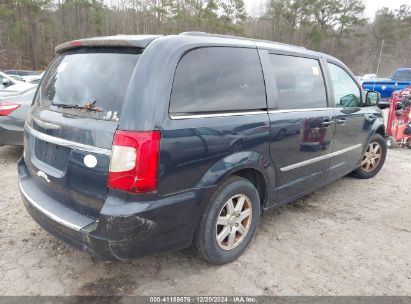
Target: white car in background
x=35, y=79
x=365, y=77
x=10, y=86
x=369, y=76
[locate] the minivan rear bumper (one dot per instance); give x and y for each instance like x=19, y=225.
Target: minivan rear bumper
x=124, y=230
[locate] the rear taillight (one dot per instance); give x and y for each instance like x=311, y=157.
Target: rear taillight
x=7, y=107
x=134, y=161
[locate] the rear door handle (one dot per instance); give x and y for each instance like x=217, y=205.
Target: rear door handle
x=341, y=121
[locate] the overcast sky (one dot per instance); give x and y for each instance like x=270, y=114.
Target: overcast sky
x=254, y=7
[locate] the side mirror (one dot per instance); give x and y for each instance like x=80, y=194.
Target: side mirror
x=372, y=98
x=6, y=82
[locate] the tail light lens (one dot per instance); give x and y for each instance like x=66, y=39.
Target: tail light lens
x=134, y=161
x=7, y=107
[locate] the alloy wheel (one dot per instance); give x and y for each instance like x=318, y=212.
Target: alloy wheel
x=372, y=157
x=233, y=222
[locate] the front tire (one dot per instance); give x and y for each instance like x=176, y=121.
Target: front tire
x=373, y=159
x=229, y=221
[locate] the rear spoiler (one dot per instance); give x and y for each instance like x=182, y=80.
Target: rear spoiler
x=137, y=41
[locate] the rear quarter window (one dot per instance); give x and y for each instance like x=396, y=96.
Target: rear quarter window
x=216, y=79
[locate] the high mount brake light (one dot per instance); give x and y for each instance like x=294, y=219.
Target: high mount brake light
x=7, y=107
x=75, y=43
x=134, y=161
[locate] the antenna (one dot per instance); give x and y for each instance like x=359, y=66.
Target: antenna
x=379, y=59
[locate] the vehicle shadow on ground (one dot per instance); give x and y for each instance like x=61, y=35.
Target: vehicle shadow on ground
x=10, y=153
x=123, y=277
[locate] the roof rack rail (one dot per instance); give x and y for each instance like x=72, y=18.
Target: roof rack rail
x=195, y=33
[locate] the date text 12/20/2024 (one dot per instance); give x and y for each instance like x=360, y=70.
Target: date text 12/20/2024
x=204, y=299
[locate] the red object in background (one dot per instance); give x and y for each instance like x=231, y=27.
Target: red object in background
x=312, y=135
x=399, y=119
x=7, y=107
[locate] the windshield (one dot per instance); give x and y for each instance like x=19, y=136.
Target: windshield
x=402, y=75
x=78, y=78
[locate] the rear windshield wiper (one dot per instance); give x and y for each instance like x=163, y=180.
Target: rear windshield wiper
x=91, y=106
x=67, y=106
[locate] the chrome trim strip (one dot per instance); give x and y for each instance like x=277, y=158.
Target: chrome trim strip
x=48, y=213
x=346, y=150
x=305, y=162
x=226, y=114
x=298, y=110
x=220, y=114
x=320, y=158
x=46, y=125
x=66, y=143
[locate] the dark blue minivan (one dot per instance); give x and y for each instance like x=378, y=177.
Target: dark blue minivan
x=141, y=144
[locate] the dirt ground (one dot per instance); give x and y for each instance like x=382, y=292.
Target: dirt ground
x=350, y=238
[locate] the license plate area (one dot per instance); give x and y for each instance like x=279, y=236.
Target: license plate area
x=52, y=155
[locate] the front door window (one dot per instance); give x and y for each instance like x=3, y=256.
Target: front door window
x=346, y=92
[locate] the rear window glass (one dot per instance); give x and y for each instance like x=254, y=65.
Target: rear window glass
x=81, y=77
x=216, y=79
x=300, y=82
x=402, y=75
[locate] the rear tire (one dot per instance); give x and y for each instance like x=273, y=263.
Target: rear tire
x=225, y=228
x=391, y=142
x=373, y=158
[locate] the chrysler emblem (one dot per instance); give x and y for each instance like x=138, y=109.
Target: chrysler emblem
x=43, y=175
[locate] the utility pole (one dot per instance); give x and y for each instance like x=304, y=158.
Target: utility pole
x=379, y=59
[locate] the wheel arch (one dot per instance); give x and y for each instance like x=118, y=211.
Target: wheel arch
x=255, y=177
x=377, y=127
x=251, y=165
x=380, y=130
